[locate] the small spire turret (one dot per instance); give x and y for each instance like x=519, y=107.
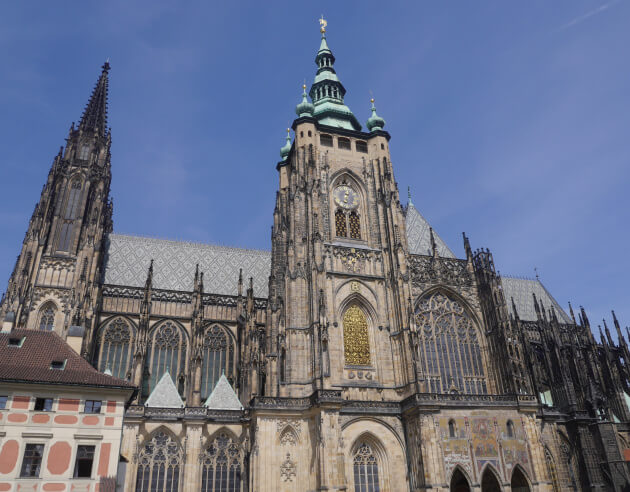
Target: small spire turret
x=375, y=122
x=304, y=108
x=286, y=150
x=94, y=116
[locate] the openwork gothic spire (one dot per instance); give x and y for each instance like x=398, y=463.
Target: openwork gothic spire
x=95, y=114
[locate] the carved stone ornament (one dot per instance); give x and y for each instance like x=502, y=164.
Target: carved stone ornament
x=450, y=271
x=287, y=469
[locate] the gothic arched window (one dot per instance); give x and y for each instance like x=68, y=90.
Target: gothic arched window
x=365, y=468
x=218, y=358
x=71, y=212
x=449, y=349
x=167, y=352
x=451, y=428
x=159, y=465
x=356, y=338
x=354, y=224
x=222, y=466
x=341, y=229
x=84, y=153
x=47, y=317
x=114, y=351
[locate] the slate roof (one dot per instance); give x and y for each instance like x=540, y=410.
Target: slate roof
x=30, y=363
x=165, y=394
x=223, y=396
x=419, y=235
x=521, y=289
x=127, y=260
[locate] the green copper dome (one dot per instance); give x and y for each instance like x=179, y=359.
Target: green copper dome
x=305, y=108
x=284, y=151
x=375, y=122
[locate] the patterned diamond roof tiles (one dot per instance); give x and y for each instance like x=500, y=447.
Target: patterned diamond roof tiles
x=521, y=290
x=419, y=235
x=165, y=394
x=127, y=260
x=223, y=396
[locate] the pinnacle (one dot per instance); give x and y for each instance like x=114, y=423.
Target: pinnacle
x=95, y=114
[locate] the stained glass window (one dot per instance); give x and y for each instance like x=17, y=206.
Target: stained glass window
x=115, y=348
x=365, y=470
x=159, y=465
x=340, y=224
x=167, y=353
x=218, y=357
x=354, y=225
x=356, y=342
x=449, y=350
x=222, y=466
x=47, y=317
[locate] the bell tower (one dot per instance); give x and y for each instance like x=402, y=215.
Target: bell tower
x=339, y=290
x=55, y=280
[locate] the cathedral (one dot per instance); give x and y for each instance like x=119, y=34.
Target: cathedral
x=357, y=354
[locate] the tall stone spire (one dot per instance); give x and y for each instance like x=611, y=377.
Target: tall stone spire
x=327, y=91
x=95, y=114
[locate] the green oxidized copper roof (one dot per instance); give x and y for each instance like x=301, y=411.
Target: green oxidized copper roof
x=284, y=151
x=375, y=122
x=327, y=92
x=304, y=108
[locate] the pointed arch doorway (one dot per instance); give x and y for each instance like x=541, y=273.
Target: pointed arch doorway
x=489, y=482
x=519, y=483
x=459, y=482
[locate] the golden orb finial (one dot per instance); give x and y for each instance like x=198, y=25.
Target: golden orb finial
x=372, y=100
x=323, y=23
x=304, y=86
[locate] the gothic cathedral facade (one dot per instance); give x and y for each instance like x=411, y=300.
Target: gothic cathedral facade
x=359, y=354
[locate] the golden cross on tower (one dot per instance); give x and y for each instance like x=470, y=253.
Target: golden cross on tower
x=323, y=23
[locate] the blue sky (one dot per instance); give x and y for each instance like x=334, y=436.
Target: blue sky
x=509, y=120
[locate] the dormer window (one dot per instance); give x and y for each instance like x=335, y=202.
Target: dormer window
x=16, y=342
x=58, y=364
x=344, y=143
x=326, y=140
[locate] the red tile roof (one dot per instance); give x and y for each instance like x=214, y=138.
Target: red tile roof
x=30, y=363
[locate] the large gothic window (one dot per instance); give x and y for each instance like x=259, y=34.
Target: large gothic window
x=449, y=350
x=356, y=338
x=71, y=212
x=167, y=353
x=47, y=317
x=159, y=465
x=365, y=468
x=222, y=466
x=114, y=351
x=218, y=358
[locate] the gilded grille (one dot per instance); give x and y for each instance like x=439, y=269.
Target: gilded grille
x=354, y=225
x=355, y=337
x=340, y=224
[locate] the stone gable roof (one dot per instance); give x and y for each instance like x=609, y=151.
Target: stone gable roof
x=165, y=394
x=223, y=396
x=30, y=361
x=521, y=290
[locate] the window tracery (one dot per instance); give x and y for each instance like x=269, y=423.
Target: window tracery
x=449, y=349
x=167, y=353
x=70, y=214
x=218, y=358
x=340, y=223
x=115, y=348
x=47, y=317
x=159, y=465
x=356, y=342
x=365, y=467
x=222, y=466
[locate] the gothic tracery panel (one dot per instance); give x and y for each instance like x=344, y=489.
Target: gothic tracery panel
x=159, y=465
x=222, y=466
x=356, y=341
x=47, y=317
x=167, y=353
x=449, y=349
x=365, y=467
x=114, y=350
x=218, y=358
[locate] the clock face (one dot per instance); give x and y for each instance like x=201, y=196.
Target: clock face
x=346, y=197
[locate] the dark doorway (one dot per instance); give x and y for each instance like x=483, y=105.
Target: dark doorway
x=459, y=482
x=519, y=482
x=489, y=482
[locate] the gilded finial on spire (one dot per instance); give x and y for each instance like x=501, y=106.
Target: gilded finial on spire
x=323, y=23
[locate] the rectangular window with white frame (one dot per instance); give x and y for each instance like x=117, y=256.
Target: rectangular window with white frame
x=32, y=461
